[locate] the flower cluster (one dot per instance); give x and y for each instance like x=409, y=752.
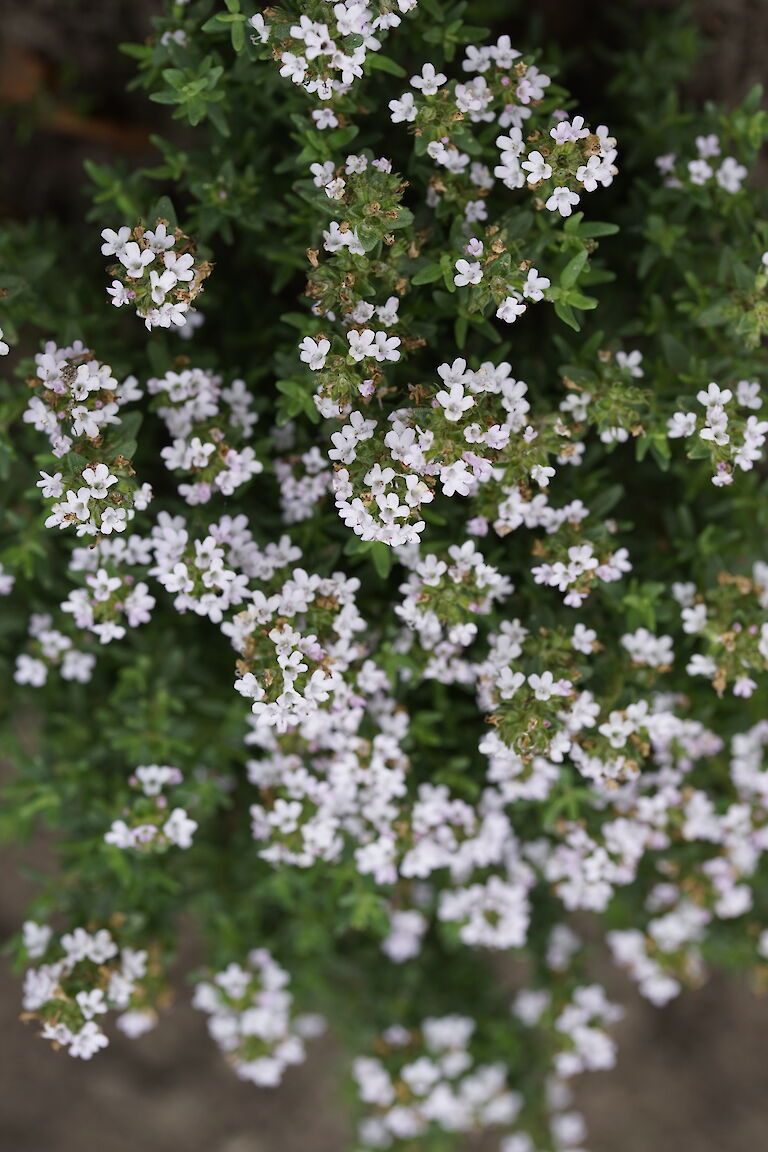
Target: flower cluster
x=157, y=272
x=82, y=976
x=566, y=160
x=578, y=1027
x=50, y=648
x=326, y=56
x=575, y=161
x=205, y=574
x=730, y=621
x=76, y=404
x=731, y=438
x=634, y=953
x=305, y=480
x=708, y=166
x=92, y=507
x=478, y=419
x=447, y=441
x=439, y=601
x=147, y=824
x=427, y=1080
x=252, y=1019
x=565, y=1128
x=296, y=646
x=210, y=427
x=76, y=397
x=110, y=600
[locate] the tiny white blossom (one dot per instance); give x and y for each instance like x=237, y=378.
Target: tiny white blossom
x=467, y=273
x=314, y=352
x=135, y=259
x=536, y=167
x=115, y=242
x=403, y=110
x=510, y=309
x=429, y=81
x=563, y=201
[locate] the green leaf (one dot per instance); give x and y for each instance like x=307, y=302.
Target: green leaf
x=98, y=174
x=565, y=313
x=296, y=320
x=383, y=558
x=137, y=51
x=572, y=223
x=573, y=268
x=218, y=119
x=661, y=452
x=126, y=433
x=174, y=77
x=753, y=99
x=446, y=263
x=290, y=387
x=369, y=236
x=238, y=35
x=594, y=228
x=607, y=499
x=163, y=209
x=579, y=300
x=340, y=137
x=404, y=219
x=163, y=97
x=427, y=275
x=677, y=355
x=375, y=61
x=354, y=546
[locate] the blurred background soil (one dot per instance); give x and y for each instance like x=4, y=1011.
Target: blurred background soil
x=690, y=1078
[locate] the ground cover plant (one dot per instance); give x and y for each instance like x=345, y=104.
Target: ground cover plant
x=383, y=545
